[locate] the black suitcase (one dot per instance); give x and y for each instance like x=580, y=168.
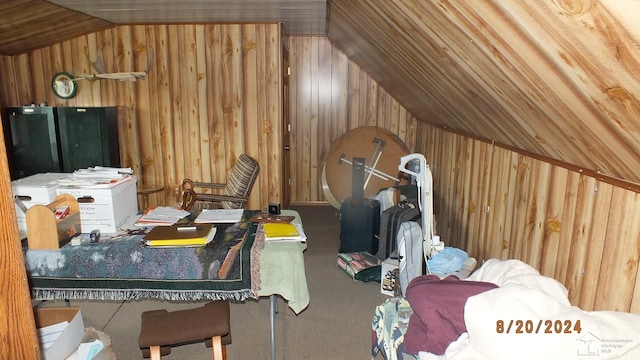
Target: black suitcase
x=390, y=221
x=359, y=217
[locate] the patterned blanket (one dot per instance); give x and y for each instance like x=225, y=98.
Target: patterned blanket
x=123, y=268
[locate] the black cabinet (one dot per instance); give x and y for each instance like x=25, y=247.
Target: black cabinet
x=60, y=139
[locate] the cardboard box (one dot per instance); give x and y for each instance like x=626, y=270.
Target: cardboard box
x=388, y=280
x=70, y=336
x=38, y=189
x=104, y=208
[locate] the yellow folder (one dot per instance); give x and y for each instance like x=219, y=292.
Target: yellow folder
x=197, y=235
x=275, y=231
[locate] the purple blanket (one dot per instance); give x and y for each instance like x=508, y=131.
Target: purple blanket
x=438, y=306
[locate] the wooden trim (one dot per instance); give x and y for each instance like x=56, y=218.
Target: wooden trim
x=19, y=339
x=622, y=183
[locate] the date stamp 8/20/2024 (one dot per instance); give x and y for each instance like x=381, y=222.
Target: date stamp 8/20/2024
x=523, y=326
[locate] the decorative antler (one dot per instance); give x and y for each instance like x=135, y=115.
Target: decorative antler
x=122, y=76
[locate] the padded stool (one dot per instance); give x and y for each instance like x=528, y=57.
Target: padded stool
x=161, y=329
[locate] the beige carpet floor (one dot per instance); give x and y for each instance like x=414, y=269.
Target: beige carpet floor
x=336, y=325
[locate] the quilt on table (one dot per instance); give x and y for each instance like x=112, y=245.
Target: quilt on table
x=124, y=268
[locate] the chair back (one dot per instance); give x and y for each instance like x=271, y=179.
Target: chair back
x=241, y=181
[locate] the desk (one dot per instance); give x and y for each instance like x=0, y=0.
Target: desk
x=124, y=269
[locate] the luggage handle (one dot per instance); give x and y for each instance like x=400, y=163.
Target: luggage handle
x=357, y=182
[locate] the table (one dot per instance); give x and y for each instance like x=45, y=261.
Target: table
x=145, y=190
x=276, y=278
x=124, y=269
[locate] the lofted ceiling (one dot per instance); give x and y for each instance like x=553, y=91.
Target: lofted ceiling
x=31, y=24
x=559, y=79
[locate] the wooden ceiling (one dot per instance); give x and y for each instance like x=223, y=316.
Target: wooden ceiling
x=555, y=78
x=31, y=24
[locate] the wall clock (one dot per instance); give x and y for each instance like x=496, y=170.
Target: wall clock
x=63, y=85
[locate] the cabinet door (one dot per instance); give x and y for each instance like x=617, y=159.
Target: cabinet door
x=32, y=145
x=88, y=137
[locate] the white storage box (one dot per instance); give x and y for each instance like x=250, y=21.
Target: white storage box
x=60, y=331
x=38, y=189
x=387, y=278
x=104, y=208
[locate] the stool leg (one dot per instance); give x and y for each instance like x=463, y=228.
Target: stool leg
x=154, y=351
x=219, y=351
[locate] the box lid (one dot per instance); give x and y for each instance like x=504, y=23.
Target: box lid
x=71, y=337
x=99, y=190
x=43, y=180
x=38, y=188
x=53, y=315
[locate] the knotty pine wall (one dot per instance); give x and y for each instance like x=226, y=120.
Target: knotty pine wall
x=330, y=95
x=213, y=92
x=490, y=201
x=496, y=203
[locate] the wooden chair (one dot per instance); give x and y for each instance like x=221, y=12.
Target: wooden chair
x=235, y=192
x=160, y=329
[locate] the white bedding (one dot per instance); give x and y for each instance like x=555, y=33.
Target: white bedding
x=549, y=327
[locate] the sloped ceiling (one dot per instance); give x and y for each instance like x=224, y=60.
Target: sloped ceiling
x=300, y=17
x=31, y=24
x=556, y=78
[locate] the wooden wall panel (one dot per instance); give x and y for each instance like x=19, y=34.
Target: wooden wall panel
x=272, y=128
x=213, y=92
x=9, y=88
x=572, y=227
x=330, y=95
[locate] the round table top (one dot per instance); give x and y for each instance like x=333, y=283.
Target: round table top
x=145, y=189
x=361, y=142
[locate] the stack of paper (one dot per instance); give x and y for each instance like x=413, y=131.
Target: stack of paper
x=102, y=172
x=219, y=216
x=49, y=334
x=178, y=235
x=97, y=176
x=161, y=216
x=278, y=231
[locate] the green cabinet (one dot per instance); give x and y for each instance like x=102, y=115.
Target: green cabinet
x=60, y=139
